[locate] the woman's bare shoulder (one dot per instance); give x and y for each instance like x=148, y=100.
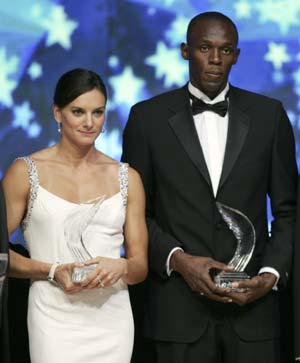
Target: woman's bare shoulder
x=43, y=154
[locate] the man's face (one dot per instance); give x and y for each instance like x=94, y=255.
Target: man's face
x=211, y=52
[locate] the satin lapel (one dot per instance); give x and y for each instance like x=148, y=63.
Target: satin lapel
x=238, y=126
x=183, y=126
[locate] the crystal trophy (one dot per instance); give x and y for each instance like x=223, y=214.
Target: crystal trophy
x=244, y=232
x=76, y=224
x=3, y=269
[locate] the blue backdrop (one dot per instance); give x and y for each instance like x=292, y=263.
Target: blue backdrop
x=134, y=46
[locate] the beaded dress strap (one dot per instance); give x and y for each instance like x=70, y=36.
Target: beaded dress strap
x=123, y=180
x=34, y=186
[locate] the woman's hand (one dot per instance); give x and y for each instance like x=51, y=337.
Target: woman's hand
x=107, y=272
x=63, y=276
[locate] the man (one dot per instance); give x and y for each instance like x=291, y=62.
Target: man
x=189, y=158
x=296, y=284
x=4, y=347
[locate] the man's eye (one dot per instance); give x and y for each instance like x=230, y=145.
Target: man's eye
x=226, y=50
x=204, y=48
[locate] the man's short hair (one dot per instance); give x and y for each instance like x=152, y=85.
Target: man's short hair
x=210, y=15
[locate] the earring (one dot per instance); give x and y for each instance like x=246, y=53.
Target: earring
x=103, y=130
x=58, y=127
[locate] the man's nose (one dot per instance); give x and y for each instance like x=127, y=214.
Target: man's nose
x=215, y=56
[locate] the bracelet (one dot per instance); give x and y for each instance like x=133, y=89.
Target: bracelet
x=51, y=274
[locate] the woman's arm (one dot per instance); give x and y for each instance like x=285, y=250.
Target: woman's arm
x=135, y=231
x=16, y=190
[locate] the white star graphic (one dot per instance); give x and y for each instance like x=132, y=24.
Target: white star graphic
x=34, y=130
x=278, y=76
x=110, y=143
x=277, y=55
x=8, y=67
x=296, y=76
x=59, y=28
x=169, y=65
x=285, y=13
x=22, y=115
x=242, y=9
x=35, y=70
x=126, y=87
x=113, y=61
x=177, y=32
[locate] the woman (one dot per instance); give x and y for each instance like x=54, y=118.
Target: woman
x=74, y=203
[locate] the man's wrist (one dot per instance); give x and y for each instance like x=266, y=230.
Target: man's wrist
x=176, y=259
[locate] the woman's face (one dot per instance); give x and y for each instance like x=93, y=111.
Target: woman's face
x=82, y=120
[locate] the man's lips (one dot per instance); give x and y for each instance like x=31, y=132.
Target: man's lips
x=214, y=74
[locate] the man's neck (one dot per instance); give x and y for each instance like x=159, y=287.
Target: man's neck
x=199, y=94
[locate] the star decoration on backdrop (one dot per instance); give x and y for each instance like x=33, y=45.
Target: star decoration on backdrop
x=33, y=130
x=169, y=65
x=177, y=31
x=8, y=68
x=22, y=115
x=59, y=28
x=277, y=55
x=110, y=143
x=242, y=9
x=172, y=6
x=113, y=61
x=285, y=13
x=126, y=87
x=296, y=76
x=35, y=70
x=278, y=76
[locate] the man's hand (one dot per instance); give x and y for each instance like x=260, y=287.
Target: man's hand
x=196, y=272
x=255, y=288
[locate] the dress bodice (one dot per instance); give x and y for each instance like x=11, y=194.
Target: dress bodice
x=45, y=224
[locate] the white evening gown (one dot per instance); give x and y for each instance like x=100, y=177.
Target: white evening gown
x=93, y=326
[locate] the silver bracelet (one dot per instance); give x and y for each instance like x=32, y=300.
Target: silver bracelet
x=51, y=274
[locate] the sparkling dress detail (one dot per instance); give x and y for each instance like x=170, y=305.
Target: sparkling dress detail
x=92, y=326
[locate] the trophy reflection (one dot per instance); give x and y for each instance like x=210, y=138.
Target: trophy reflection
x=75, y=226
x=244, y=232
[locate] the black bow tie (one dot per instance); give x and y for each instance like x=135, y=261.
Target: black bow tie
x=199, y=106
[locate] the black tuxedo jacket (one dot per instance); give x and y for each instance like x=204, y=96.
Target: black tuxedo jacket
x=4, y=347
x=161, y=143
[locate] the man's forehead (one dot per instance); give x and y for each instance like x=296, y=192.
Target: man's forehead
x=212, y=28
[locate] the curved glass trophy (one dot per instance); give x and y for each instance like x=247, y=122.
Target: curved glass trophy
x=75, y=225
x=3, y=269
x=244, y=232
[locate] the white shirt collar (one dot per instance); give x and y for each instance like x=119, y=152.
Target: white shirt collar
x=199, y=94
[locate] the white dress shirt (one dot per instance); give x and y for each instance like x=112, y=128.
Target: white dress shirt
x=212, y=133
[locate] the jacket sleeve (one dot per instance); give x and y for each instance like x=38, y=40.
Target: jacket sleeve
x=282, y=192
x=137, y=152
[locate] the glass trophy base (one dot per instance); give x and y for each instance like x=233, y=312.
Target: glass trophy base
x=80, y=273
x=225, y=279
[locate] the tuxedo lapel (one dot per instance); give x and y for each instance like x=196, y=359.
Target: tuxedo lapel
x=238, y=126
x=183, y=126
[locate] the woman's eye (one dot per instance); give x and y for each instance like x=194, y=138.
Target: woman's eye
x=99, y=112
x=77, y=112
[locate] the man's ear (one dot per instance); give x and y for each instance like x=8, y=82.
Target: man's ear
x=184, y=51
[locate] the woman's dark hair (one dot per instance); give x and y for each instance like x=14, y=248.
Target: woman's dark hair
x=74, y=83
